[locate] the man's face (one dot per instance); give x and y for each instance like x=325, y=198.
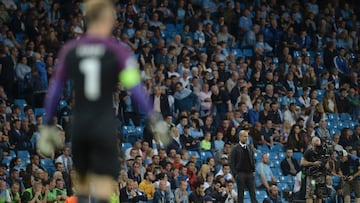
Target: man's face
x=289, y=153
x=244, y=137
x=265, y=159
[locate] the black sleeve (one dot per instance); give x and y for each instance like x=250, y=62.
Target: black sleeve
x=25, y=197
x=233, y=160
x=284, y=167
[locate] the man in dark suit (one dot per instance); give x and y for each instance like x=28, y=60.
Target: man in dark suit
x=289, y=166
x=161, y=195
x=130, y=194
x=160, y=101
x=242, y=164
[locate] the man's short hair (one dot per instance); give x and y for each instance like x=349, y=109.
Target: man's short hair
x=95, y=10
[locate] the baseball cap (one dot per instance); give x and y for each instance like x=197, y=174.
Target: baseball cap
x=224, y=156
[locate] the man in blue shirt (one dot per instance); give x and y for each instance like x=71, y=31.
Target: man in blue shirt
x=264, y=177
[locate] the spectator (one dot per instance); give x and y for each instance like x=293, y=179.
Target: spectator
x=147, y=186
x=205, y=144
x=295, y=141
x=264, y=177
x=181, y=194
x=341, y=63
x=349, y=167
x=322, y=131
x=217, y=192
x=289, y=165
x=161, y=194
x=354, y=99
x=329, y=102
x=274, y=196
x=197, y=194
x=185, y=99
x=342, y=103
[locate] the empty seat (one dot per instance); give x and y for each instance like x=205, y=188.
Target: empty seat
x=247, y=52
x=191, y=152
x=333, y=116
x=298, y=156
x=205, y=155
x=39, y=111
x=20, y=102
x=276, y=148
x=23, y=154
x=263, y=148
x=125, y=146
x=345, y=117
x=6, y=160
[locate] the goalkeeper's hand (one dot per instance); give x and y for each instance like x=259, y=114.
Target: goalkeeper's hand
x=51, y=139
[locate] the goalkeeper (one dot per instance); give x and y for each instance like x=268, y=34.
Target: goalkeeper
x=95, y=63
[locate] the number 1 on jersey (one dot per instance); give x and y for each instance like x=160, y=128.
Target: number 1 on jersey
x=90, y=67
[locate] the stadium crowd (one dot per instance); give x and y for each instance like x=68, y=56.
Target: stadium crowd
x=286, y=71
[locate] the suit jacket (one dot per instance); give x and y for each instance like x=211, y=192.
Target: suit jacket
x=236, y=157
x=164, y=104
x=161, y=198
x=175, y=145
x=124, y=197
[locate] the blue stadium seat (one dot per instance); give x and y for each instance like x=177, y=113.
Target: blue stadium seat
x=282, y=155
x=297, y=53
x=179, y=27
x=287, y=180
x=246, y=196
x=125, y=146
x=333, y=116
x=276, y=148
x=274, y=163
x=275, y=60
x=203, y=49
x=263, y=148
x=345, y=117
x=247, y=52
x=334, y=131
x=335, y=180
x=320, y=95
x=6, y=160
x=257, y=156
x=46, y=162
x=39, y=111
x=273, y=156
x=48, y=165
x=204, y=154
x=23, y=154
x=191, y=152
x=129, y=134
x=237, y=52
x=261, y=195
x=62, y=104
x=20, y=102
x=170, y=27
x=12, y=154
x=298, y=156
x=140, y=131
x=277, y=171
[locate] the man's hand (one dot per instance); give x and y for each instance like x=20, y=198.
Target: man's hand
x=317, y=163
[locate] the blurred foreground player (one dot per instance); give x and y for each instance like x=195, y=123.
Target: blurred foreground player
x=95, y=63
